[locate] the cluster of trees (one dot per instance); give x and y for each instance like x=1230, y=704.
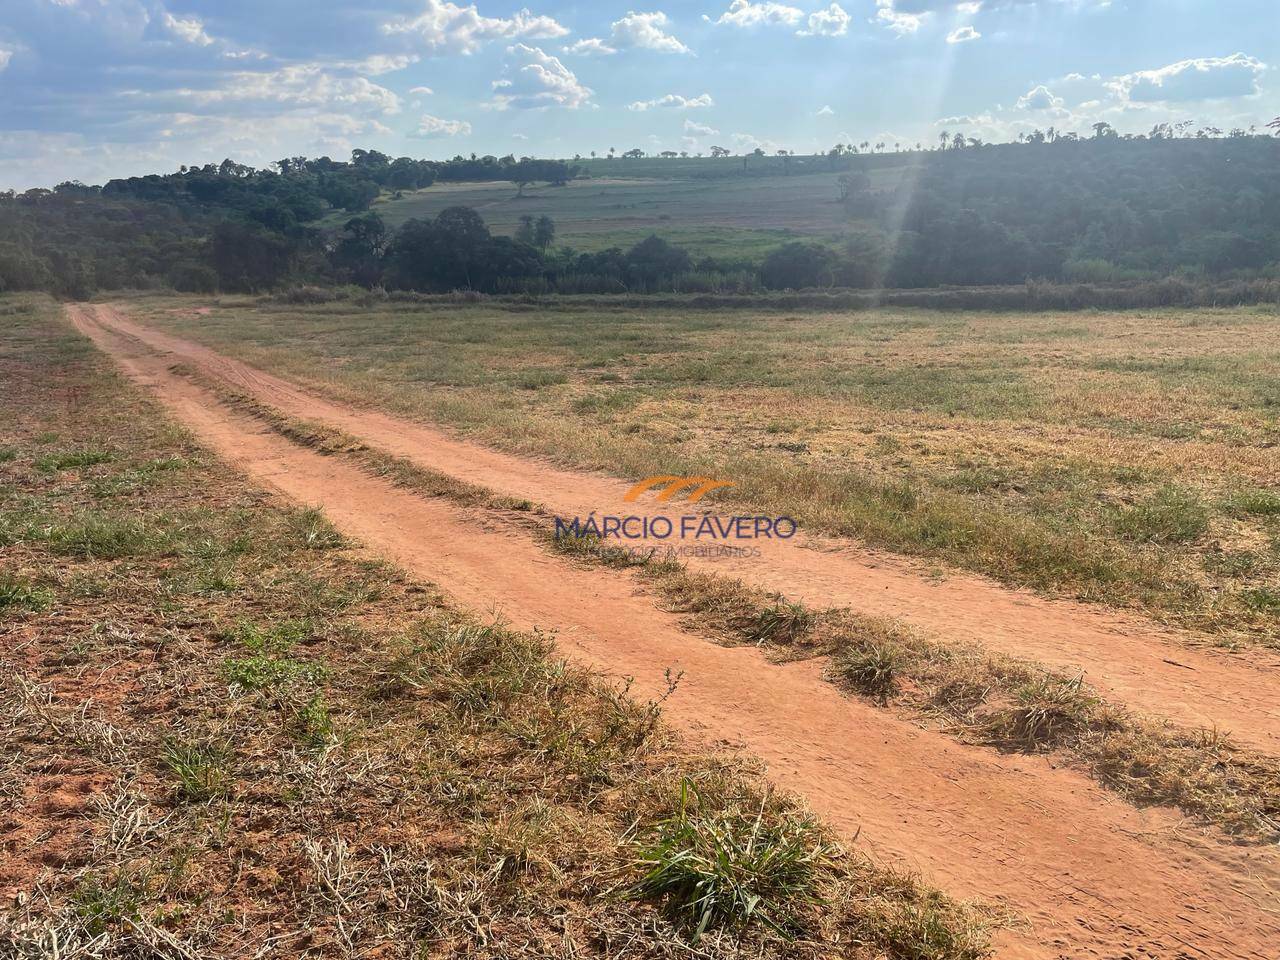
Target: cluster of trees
x=457, y=251
x=1105, y=209
x=1054, y=207
x=219, y=226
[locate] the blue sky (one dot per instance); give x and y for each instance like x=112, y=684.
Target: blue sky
x=99, y=88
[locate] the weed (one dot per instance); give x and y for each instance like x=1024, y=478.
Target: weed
x=18, y=594
x=1261, y=600
x=262, y=671
x=202, y=770
x=103, y=537
x=1046, y=711
x=783, y=622
x=1172, y=515
x=102, y=905
x=313, y=531
x=312, y=723
x=716, y=868
x=1256, y=503
x=872, y=669
x=71, y=460
x=272, y=638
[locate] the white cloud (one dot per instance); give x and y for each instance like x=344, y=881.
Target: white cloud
x=422, y=91
x=1039, y=98
x=898, y=21
x=1204, y=78
x=831, y=22
x=963, y=35
x=744, y=13
x=674, y=101
x=5, y=56
x=299, y=85
x=699, y=129
x=433, y=128
x=748, y=142
x=591, y=47
x=190, y=29
x=536, y=79
x=965, y=120
x=646, y=31
x=826, y=112
x=447, y=27
x=380, y=63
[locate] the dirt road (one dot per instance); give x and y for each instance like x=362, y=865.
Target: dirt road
x=1092, y=876
x=1130, y=660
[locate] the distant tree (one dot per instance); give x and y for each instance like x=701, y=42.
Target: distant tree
x=794, y=266
x=525, y=232
x=653, y=261
x=249, y=259
x=853, y=186
x=359, y=251
x=544, y=233
x=717, y=152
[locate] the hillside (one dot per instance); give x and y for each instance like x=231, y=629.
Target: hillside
x=1106, y=209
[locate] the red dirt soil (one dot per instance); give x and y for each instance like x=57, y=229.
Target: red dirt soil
x=1130, y=660
x=1092, y=876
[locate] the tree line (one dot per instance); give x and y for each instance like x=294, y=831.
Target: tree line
x=1055, y=207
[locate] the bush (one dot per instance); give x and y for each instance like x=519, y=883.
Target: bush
x=799, y=265
x=193, y=278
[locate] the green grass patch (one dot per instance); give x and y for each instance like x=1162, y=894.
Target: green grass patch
x=201, y=771
x=1171, y=515
x=72, y=460
x=16, y=594
x=262, y=671
x=716, y=868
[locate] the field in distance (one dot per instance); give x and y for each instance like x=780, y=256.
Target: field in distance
x=710, y=216
x=1127, y=458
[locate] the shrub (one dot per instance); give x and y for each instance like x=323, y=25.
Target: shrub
x=727, y=869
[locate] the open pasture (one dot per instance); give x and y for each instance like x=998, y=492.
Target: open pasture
x=1127, y=458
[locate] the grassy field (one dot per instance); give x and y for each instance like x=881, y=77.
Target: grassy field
x=1126, y=458
x=723, y=217
x=227, y=731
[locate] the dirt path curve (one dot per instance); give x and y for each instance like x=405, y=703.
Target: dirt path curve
x=1094, y=877
x=1130, y=660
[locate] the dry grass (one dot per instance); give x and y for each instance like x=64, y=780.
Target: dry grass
x=231, y=733
x=1124, y=458
x=971, y=693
